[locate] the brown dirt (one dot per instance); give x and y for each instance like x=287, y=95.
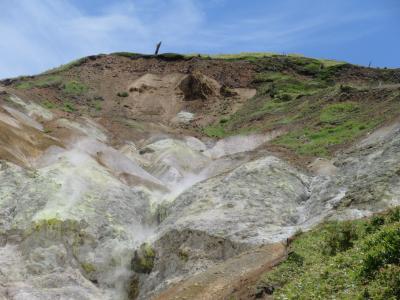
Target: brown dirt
x=230, y=279
x=22, y=145
x=157, y=91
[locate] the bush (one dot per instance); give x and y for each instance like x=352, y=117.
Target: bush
x=49, y=105
x=380, y=249
x=387, y=284
x=122, y=94
x=339, y=237
x=394, y=215
x=285, y=98
x=346, y=89
x=74, y=88
x=68, y=107
x=296, y=259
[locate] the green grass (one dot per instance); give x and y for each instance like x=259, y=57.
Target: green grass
x=214, y=131
x=342, y=260
x=309, y=66
x=40, y=82
x=47, y=104
x=338, y=112
x=68, y=107
x=164, y=56
x=278, y=94
x=74, y=88
x=318, y=141
x=321, y=118
x=68, y=66
x=98, y=105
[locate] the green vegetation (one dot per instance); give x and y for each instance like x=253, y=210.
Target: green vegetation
x=39, y=82
x=342, y=260
x=98, y=105
x=338, y=112
x=319, y=116
x=183, y=255
x=122, y=94
x=277, y=94
x=88, y=267
x=143, y=260
x=214, y=131
x=68, y=107
x=318, y=141
x=74, y=88
x=49, y=105
x=254, y=56
x=164, y=56
x=66, y=67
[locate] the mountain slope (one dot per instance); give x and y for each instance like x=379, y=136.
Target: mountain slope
x=127, y=176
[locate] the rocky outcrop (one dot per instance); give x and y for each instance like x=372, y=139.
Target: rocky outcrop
x=198, y=87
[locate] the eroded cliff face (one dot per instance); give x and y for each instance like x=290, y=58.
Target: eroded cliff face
x=91, y=212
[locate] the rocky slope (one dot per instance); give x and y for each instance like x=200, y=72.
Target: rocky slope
x=132, y=177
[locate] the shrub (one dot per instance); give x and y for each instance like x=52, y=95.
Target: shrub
x=339, y=237
x=387, y=284
x=98, y=105
x=122, y=94
x=346, y=89
x=296, y=259
x=380, y=249
x=223, y=120
x=69, y=107
x=394, y=215
x=285, y=98
x=74, y=88
x=47, y=104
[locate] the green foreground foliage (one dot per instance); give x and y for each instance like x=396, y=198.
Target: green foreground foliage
x=342, y=260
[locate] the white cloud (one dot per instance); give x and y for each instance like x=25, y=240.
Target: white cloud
x=39, y=34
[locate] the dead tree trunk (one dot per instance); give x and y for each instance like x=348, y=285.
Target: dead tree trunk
x=157, y=48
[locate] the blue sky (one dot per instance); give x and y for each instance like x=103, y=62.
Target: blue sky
x=39, y=34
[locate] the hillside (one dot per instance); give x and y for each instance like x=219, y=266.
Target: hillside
x=129, y=176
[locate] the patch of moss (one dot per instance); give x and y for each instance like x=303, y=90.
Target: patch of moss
x=312, y=272
x=183, y=255
x=143, y=260
x=88, y=267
